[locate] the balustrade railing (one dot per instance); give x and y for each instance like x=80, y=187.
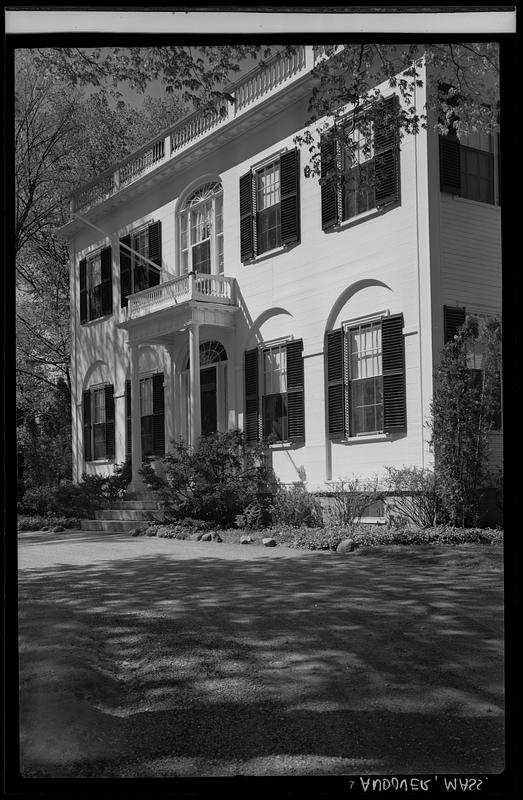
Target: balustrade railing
x=283, y=68
x=214, y=288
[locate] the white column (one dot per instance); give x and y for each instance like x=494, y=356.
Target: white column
x=171, y=400
x=194, y=383
x=137, y=483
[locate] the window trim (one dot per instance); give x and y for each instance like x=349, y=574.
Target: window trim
x=108, y=423
x=105, y=286
x=185, y=211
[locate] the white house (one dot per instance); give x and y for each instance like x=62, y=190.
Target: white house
x=214, y=287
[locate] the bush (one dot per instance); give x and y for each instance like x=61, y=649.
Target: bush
x=151, y=477
x=255, y=516
x=217, y=481
x=117, y=483
x=415, y=498
x=295, y=506
x=36, y=523
x=350, y=498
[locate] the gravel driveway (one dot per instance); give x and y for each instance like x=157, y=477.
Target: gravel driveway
x=146, y=657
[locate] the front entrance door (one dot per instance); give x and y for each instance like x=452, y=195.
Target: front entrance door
x=208, y=397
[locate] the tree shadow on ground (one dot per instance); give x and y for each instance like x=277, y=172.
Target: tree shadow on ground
x=158, y=665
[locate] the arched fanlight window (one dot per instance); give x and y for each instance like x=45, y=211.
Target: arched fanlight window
x=201, y=230
x=210, y=353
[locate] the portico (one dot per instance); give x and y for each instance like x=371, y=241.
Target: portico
x=184, y=315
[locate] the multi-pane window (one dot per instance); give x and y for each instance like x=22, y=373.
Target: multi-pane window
x=365, y=375
x=268, y=207
x=151, y=415
x=201, y=231
x=96, y=293
x=359, y=192
x=98, y=423
x=140, y=251
x=275, y=392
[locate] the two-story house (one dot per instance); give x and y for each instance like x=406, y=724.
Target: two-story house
x=214, y=287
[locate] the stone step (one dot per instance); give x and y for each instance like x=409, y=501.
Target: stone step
x=142, y=496
x=127, y=514
x=110, y=525
x=139, y=505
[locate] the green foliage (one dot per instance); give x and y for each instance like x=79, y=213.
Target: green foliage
x=216, y=481
x=38, y=523
x=350, y=498
x=415, y=496
x=65, y=500
x=464, y=407
x=295, y=506
x=151, y=477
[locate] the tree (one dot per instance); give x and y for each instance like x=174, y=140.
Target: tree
x=465, y=407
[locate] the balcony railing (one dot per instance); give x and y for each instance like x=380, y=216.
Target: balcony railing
x=195, y=286
x=275, y=74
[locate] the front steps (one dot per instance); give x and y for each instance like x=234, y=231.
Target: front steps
x=135, y=510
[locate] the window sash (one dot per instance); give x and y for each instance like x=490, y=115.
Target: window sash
x=275, y=370
x=365, y=378
x=146, y=397
x=275, y=408
x=201, y=236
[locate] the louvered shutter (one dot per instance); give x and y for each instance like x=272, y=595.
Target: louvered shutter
x=393, y=361
x=158, y=415
x=386, y=154
x=125, y=271
x=290, y=196
x=252, y=417
x=295, y=392
x=128, y=425
x=336, y=382
x=83, y=290
x=109, y=421
x=449, y=164
x=246, y=217
x=155, y=251
x=86, y=411
x=107, y=280
x=330, y=212
x=453, y=318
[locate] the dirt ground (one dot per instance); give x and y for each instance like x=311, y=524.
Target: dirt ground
x=146, y=657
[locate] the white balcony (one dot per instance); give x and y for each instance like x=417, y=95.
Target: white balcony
x=196, y=286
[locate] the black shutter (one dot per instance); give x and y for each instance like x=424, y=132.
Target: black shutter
x=386, y=154
x=290, y=196
x=109, y=421
x=158, y=415
x=107, y=280
x=246, y=218
x=336, y=392
x=252, y=418
x=155, y=251
x=449, y=164
x=128, y=426
x=86, y=408
x=125, y=271
x=393, y=359
x=295, y=392
x=83, y=290
x=453, y=318
x=329, y=193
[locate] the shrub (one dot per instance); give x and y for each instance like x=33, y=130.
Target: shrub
x=36, y=523
x=217, y=481
x=117, y=483
x=415, y=498
x=350, y=498
x=255, y=516
x=295, y=506
x=151, y=477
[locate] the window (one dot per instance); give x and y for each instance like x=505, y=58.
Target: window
x=152, y=415
x=96, y=290
x=468, y=162
x=201, y=231
x=366, y=378
x=274, y=398
x=269, y=206
x=363, y=175
x=137, y=274
x=98, y=423
x=453, y=318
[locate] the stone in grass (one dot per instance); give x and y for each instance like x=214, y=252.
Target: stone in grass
x=246, y=540
x=136, y=531
x=207, y=537
x=58, y=528
x=269, y=542
x=217, y=538
x=346, y=546
x=196, y=537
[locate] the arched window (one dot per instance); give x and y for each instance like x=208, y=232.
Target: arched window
x=201, y=230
